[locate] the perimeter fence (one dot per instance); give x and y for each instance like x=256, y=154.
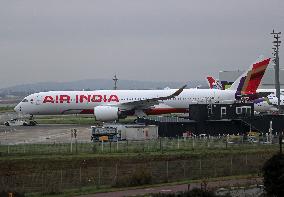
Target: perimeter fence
x=109, y=169
x=156, y=145
x=122, y=173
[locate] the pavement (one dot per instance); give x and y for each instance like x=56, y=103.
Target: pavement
x=181, y=187
x=49, y=133
x=4, y=116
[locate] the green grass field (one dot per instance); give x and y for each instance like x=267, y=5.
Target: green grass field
x=69, y=174
x=73, y=119
x=157, y=146
x=81, y=120
x=6, y=108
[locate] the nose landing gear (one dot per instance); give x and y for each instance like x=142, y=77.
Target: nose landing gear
x=31, y=117
x=31, y=121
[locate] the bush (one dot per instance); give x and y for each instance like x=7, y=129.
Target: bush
x=15, y=194
x=138, y=177
x=273, y=175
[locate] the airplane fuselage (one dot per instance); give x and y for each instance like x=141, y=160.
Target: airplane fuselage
x=84, y=102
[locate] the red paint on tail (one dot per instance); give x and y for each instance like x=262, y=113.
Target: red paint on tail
x=211, y=81
x=255, y=76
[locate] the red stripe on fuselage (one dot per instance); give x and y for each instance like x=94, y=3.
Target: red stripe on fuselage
x=87, y=111
x=155, y=111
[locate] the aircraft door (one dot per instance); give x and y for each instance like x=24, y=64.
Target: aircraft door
x=223, y=112
x=38, y=99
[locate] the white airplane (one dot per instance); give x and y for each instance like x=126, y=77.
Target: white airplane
x=261, y=105
x=264, y=104
x=108, y=105
x=271, y=91
x=216, y=84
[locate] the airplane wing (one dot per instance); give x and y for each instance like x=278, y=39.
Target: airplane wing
x=147, y=103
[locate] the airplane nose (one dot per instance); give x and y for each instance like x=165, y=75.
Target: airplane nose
x=18, y=108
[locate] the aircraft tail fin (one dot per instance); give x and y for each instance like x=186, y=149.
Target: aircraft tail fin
x=249, y=81
x=213, y=84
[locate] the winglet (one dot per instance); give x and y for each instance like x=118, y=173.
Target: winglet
x=178, y=91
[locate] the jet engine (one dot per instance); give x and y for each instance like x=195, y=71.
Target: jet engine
x=106, y=113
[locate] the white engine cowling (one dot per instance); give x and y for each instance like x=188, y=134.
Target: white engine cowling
x=106, y=113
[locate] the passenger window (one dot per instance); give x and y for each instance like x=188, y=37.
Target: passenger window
x=25, y=100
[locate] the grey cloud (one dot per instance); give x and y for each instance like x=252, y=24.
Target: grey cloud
x=144, y=40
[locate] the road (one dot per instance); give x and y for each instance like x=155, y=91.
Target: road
x=180, y=187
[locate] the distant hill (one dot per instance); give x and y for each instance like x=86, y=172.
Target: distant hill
x=96, y=84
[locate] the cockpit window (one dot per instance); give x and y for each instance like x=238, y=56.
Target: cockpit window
x=25, y=100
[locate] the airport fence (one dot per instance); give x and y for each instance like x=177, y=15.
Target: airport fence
x=155, y=145
x=122, y=173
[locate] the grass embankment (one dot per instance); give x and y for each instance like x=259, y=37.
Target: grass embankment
x=162, y=146
x=6, y=109
x=94, y=190
x=74, y=119
x=81, y=120
x=69, y=175
x=165, y=154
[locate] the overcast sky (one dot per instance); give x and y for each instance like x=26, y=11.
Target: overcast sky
x=156, y=40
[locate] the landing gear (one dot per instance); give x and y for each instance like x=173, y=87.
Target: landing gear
x=31, y=121
x=31, y=117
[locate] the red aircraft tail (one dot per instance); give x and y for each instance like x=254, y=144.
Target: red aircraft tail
x=213, y=84
x=249, y=81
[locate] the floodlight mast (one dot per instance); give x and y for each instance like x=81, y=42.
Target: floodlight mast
x=276, y=44
x=115, y=79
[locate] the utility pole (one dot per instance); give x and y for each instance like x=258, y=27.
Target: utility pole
x=276, y=44
x=115, y=79
x=280, y=142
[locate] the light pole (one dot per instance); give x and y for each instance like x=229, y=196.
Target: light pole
x=276, y=44
x=115, y=79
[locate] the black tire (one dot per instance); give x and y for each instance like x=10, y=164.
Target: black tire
x=32, y=123
x=6, y=124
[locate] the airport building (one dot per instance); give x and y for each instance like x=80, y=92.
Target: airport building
x=266, y=83
x=216, y=120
